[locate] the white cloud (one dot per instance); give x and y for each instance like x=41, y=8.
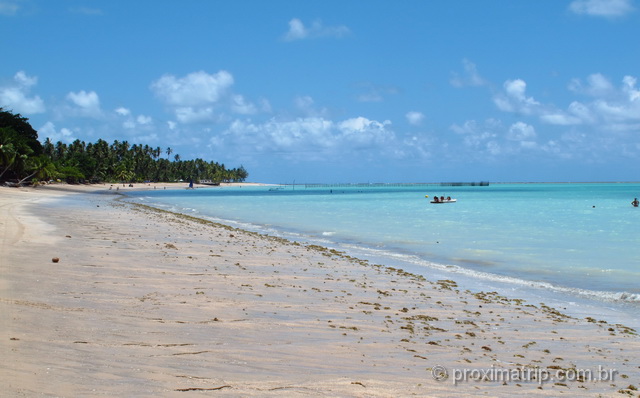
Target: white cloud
x=364, y=133
x=491, y=140
x=471, y=76
x=415, y=146
x=581, y=112
x=493, y=148
x=521, y=131
x=196, y=97
x=304, y=133
x=560, y=119
x=195, y=89
x=597, y=86
x=414, y=118
x=304, y=103
x=240, y=105
x=307, y=138
x=130, y=122
x=529, y=145
x=629, y=87
x=144, y=120
x=479, y=138
x=264, y=105
x=514, y=98
x=15, y=97
x=613, y=108
x=123, y=111
x=298, y=31
x=190, y=114
x=48, y=130
x=26, y=81
x=302, y=138
x=602, y=8
x=612, y=111
x=84, y=99
x=469, y=127
x=577, y=113
x=87, y=104
x=307, y=106
x=585, y=128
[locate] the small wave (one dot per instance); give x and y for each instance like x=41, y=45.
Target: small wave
x=584, y=293
x=606, y=296
x=411, y=259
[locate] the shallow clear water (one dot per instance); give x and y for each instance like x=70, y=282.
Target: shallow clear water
x=582, y=239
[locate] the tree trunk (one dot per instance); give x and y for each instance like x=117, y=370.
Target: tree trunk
x=27, y=177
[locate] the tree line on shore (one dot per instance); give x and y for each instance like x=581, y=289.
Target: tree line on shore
x=24, y=159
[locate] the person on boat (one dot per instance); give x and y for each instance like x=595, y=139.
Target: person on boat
x=448, y=198
x=635, y=202
x=441, y=198
x=435, y=199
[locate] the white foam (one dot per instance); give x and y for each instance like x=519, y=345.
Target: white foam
x=481, y=275
x=410, y=236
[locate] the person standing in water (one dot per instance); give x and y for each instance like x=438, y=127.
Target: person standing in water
x=635, y=202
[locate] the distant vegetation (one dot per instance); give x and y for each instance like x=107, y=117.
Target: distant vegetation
x=23, y=159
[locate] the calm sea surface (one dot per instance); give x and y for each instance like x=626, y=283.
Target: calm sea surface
x=566, y=243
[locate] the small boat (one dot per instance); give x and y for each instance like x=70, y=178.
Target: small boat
x=445, y=201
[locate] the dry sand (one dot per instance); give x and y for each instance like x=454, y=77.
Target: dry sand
x=146, y=303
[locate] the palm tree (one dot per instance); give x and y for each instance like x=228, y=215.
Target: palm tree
x=123, y=173
x=49, y=148
x=41, y=167
x=7, y=157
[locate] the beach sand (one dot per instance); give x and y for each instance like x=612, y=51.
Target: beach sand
x=147, y=303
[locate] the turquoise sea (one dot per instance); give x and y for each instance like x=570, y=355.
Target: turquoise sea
x=576, y=246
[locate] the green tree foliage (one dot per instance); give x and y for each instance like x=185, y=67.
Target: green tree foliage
x=14, y=151
x=22, y=128
x=23, y=158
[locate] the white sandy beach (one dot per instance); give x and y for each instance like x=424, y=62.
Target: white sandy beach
x=148, y=303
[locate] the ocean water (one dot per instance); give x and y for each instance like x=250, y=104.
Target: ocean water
x=574, y=245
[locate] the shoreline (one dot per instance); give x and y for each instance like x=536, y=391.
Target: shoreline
x=151, y=302
x=613, y=306
x=146, y=186
x=573, y=301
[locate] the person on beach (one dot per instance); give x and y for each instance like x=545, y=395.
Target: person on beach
x=635, y=202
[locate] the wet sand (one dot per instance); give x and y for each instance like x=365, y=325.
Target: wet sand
x=144, y=302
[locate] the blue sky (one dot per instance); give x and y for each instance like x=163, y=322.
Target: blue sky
x=339, y=91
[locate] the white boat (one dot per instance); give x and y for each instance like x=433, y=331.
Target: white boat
x=445, y=201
